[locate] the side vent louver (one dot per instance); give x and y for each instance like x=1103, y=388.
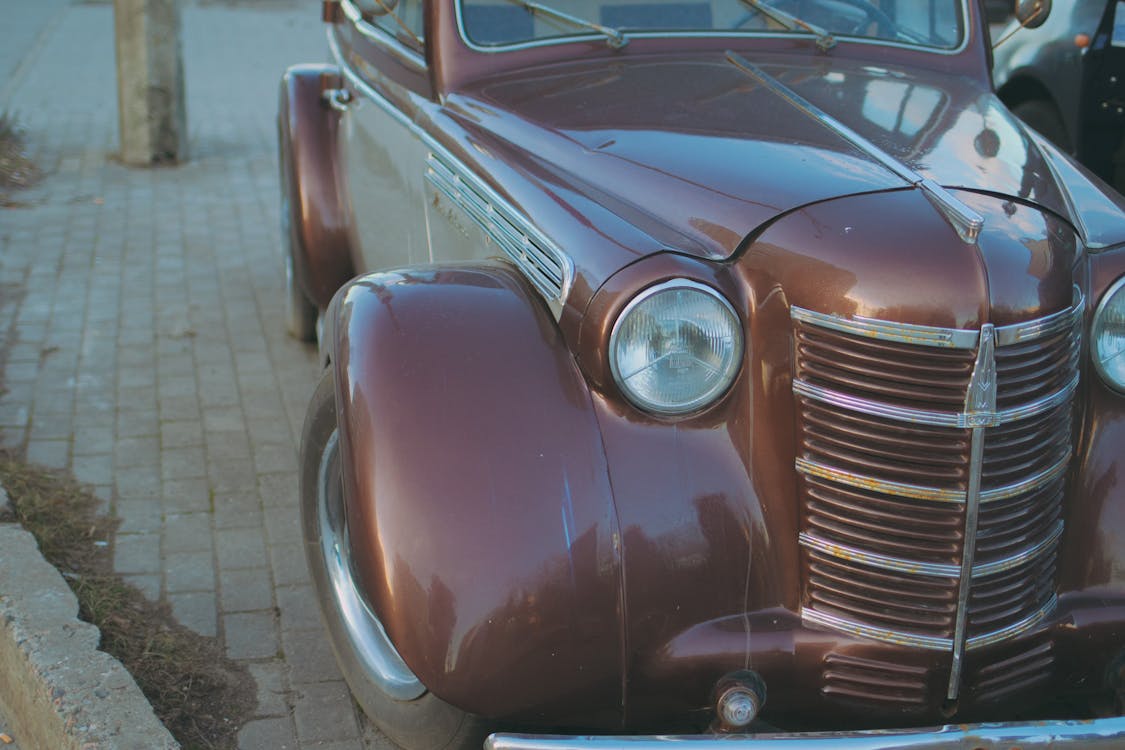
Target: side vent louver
x=545, y=266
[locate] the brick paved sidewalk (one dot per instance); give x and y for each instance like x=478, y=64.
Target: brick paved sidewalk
x=141, y=314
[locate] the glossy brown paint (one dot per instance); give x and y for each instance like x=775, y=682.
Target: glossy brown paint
x=318, y=219
x=468, y=415
x=500, y=583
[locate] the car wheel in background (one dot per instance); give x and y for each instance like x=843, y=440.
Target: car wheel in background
x=1044, y=117
x=381, y=682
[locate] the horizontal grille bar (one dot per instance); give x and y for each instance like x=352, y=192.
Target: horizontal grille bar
x=950, y=338
x=888, y=635
x=937, y=570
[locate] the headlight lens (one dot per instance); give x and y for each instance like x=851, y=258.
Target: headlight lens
x=676, y=347
x=1109, y=336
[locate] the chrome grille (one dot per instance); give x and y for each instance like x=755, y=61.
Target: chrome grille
x=894, y=504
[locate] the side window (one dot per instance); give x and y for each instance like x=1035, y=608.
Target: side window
x=401, y=19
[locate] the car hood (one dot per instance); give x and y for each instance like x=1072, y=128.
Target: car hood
x=698, y=154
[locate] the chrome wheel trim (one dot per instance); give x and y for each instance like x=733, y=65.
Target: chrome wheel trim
x=368, y=640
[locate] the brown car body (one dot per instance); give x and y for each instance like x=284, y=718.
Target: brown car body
x=542, y=552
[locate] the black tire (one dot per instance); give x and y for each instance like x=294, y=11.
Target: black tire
x=1044, y=117
x=424, y=722
x=300, y=312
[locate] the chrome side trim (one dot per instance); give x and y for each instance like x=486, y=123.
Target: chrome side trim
x=1098, y=734
x=811, y=541
x=886, y=635
x=905, y=333
x=544, y=265
x=862, y=481
x=964, y=220
x=465, y=175
x=379, y=36
x=877, y=408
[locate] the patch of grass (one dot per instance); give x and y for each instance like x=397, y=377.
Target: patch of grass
x=200, y=695
x=16, y=169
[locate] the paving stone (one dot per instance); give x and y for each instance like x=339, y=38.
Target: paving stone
x=136, y=553
x=53, y=454
x=196, y=610
x=138, y=515
x=272, y=695
x=245, y=590
x=289, y=565
x=240, y=548
x=189, y=571
x=251, y=635
x=179, y=434
x=267, y=733
x=324, y=712
x=298, y=607
x=186, y=496
x=238, y=510
x=187, y=532
x=93, y=469
x=309, y=656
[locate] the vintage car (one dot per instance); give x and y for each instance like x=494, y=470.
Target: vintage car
x=1066, y=78
x=704, y=367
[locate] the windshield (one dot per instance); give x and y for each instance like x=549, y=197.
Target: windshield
x=496, y=24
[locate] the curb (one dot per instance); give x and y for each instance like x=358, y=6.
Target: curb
x=57, y=689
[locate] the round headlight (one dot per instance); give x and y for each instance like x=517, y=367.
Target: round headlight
x=1109, y=336
x=676, y=347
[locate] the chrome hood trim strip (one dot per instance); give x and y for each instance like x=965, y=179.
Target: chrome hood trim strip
x=967, y=222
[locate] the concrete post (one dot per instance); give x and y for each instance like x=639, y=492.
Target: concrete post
x=150, y=82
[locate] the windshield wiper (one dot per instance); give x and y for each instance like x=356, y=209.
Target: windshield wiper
x=824, y=40
x=614, y=37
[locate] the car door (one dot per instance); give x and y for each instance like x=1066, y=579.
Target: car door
x=380, y=47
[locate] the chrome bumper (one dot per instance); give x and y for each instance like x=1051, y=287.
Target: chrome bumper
x=1102, y=734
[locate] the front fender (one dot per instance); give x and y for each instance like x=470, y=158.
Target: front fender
x=479, y=510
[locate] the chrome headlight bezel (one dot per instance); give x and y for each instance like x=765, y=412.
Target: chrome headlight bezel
x=707, y=396
x=1116, y=290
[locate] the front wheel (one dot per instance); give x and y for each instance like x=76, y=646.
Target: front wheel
x=384, y=686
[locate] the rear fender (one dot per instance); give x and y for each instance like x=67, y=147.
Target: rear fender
x=479, y=510
x=318, y=219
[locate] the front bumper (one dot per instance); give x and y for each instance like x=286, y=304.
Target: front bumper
x=1099, y=734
